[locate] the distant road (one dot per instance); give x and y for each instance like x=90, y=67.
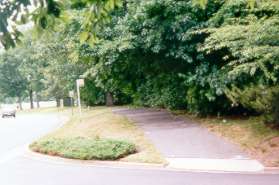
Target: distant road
x=25, y=128
x=43, y=104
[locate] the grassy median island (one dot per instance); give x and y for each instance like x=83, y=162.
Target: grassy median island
x=99, y=134
x=84, y=148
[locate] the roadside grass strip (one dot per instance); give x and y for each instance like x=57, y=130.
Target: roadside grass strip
x=99, y=134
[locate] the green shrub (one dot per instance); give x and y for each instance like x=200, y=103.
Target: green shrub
x=275, y=108
x=91, y=94
x=84, y=148
x=163, y=91
x=262, y=99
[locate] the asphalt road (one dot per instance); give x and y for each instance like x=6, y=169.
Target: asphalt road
x=18, y=169
x=22, y=130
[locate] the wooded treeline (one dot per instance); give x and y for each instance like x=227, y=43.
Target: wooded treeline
x=222, y=58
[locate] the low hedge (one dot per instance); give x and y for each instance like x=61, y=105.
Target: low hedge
x=84, y=148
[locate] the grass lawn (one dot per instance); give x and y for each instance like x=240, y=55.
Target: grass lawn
x=253, y=136
x=99, y=134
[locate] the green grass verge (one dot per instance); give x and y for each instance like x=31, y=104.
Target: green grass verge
x=78, y=137
x=84, y=148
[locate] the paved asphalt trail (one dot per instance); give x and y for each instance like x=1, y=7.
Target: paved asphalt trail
x=177, y=137
x=187, y=145
x=22, y=169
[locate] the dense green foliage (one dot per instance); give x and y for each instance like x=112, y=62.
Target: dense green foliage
x=218, y=58
x=83, y=148
x=44, y=14
x=174, y=54
x=32, y=68
x=13, y=82
x=246, y=43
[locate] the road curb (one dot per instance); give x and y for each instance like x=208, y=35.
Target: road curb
x=131, y=165
x=48, y=158
x=271, y=170
x=229, y=165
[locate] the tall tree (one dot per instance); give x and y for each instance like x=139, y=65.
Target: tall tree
x=32, y=67
x=12, y=81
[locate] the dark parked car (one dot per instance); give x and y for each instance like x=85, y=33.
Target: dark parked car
x=8, y=112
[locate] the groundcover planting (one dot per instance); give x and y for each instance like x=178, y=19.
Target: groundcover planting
x=84, y=148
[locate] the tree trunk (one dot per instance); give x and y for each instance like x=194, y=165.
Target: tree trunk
x=57, y=102
x=109, y=99
x=31, y=99
x=20, y=103
x=38, y=100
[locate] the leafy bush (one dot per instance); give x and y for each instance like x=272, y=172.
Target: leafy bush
x=163, y=91
x=91, y=94
x=275, y=108
x=272, y=116
x=204, y=101
x=84, y=148
x=262, y=99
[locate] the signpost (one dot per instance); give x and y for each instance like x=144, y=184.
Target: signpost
x=71, y=95
x=80, y=83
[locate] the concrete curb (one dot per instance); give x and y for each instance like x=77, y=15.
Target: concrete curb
x=209, y=164
x=56, y=159
x=271, y=170
x=131, y=165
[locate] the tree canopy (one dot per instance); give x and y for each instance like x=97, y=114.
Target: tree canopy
x=209, y=57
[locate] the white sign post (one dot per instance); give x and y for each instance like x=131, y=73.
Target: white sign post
x=80, y=83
